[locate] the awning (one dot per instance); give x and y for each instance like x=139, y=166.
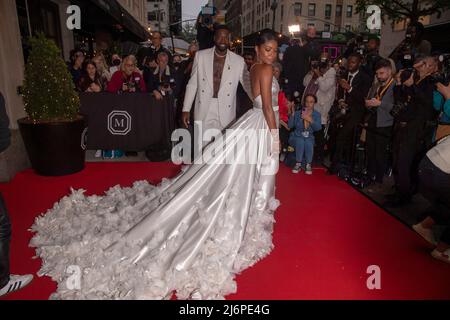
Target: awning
x=122, y=17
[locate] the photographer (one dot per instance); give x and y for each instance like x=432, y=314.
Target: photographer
x=379, y=125
x=325, y=78
x=164, y=79
x=441, y=97
x=205, y=28
x=127, y=79
x=352, y=107
x=371, y=56
x=411, y=47
x=414, y=128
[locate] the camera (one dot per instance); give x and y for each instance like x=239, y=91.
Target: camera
x=406, y=74
x=398, y=107
x=131, y=85
x=314, y=64
x=443, y=76
x=207, y=16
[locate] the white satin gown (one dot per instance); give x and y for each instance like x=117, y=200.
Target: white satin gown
x=190, y=234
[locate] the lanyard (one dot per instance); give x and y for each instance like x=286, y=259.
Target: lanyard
x=383, y=91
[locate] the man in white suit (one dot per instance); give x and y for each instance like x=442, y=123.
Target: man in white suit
x=215, y=76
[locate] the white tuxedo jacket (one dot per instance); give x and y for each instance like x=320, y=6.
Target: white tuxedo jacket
x=201, y=86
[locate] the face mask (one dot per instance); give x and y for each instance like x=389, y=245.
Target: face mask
x=116, y=62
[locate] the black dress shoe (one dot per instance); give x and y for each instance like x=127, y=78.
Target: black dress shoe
x=398, y=202
x=131, y=154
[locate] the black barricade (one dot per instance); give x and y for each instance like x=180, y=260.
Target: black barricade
x=130, y=122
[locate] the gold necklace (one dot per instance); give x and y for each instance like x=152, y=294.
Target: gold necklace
x=219, y=54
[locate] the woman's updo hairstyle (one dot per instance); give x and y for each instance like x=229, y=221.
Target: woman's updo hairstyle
x=266, y=35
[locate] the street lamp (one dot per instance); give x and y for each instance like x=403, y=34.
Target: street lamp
x=273, y=7
x=294, y=28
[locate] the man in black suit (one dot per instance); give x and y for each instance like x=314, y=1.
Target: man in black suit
x=355, y=88
x=294, y=62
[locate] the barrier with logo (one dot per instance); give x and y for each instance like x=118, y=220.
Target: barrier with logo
x=130, y=122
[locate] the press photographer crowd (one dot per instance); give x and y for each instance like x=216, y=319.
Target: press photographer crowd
x=365, y=115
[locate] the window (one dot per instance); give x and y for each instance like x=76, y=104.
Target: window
x=349, y=11
x=326, y=27
x=338, y=10
x=297, y=9
x=311, y=24
x=312, y=9
x=327, y=11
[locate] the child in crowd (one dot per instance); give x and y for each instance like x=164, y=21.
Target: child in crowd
x=305, y=122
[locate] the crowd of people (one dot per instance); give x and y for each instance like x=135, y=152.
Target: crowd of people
x=153, y=70
x=393, y=108
x=372, y=116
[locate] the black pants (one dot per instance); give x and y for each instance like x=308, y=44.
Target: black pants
x=406, y=158
x=435, y=186
x=5, y=238
x=319, y=147
x=344, y=142
x=378, y=140
x=284, y=138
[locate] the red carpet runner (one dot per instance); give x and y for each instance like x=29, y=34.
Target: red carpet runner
x=326, y=236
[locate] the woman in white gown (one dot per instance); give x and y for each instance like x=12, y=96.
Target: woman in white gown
x=191, y=234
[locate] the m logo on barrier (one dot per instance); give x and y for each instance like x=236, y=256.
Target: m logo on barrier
x=119, y=123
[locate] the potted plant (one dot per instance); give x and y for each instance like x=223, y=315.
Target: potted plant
x=53, y=130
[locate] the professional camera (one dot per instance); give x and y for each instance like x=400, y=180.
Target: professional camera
x=406, y=74
x=398, y=108
x=443, y=76
x=358, y=44
x=207, y=16
x=404, y=52
x=131, y=85
x=343, y=107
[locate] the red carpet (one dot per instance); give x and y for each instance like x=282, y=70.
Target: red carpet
x=326, y=236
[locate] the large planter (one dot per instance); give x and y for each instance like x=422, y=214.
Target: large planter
x=54, y=148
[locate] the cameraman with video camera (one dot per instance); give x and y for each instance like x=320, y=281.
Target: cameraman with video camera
x=415, y=122
x=412, y=46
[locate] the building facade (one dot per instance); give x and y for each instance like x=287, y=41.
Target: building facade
x=137, y=8
x=324, y=15
x=163, y=14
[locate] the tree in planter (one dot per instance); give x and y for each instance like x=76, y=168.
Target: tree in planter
x=397, y=10
x=48, y=91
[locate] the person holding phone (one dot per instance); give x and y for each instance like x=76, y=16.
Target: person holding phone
x=304, y=123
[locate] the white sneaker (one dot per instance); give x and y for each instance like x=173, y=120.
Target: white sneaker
x=282, y=157
x=98, y=154
x=308, y=169
x=427, y=234
x=297, y=168
x=16, y=283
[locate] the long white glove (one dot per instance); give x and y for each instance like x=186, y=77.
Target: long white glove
x=275, y=145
